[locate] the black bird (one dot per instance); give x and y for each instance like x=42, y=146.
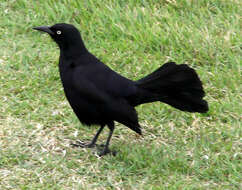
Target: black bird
x=100, y=96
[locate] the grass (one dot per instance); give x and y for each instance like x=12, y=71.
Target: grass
x=179, y=150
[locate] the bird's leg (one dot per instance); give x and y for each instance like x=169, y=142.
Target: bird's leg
x=90, y=144
x=106, y=150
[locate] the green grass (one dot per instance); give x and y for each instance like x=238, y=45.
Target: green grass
x=134, y=37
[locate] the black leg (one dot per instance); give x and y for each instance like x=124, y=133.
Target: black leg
x=90, y=144
x=106, y=149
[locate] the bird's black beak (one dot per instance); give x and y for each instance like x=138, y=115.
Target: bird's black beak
x=44, y=29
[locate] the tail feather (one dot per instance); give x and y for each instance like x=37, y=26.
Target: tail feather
x=176, y=85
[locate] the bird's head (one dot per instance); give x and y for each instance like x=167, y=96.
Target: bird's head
x=65, y=35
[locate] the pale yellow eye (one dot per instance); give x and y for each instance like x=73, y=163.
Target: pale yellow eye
x=58, y=32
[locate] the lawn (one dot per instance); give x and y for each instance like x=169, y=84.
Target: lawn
x=134, y=37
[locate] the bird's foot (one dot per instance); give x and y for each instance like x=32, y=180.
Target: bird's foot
x=104, y=151
x=82, y=144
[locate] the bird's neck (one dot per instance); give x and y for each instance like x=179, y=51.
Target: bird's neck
x=73, y=49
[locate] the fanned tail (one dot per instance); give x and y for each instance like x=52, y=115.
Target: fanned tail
x=176, y=85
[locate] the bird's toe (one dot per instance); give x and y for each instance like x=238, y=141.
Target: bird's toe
x=82, y=144
x=104, y=151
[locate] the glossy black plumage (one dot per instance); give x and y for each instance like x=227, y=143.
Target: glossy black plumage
x=100, y=96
